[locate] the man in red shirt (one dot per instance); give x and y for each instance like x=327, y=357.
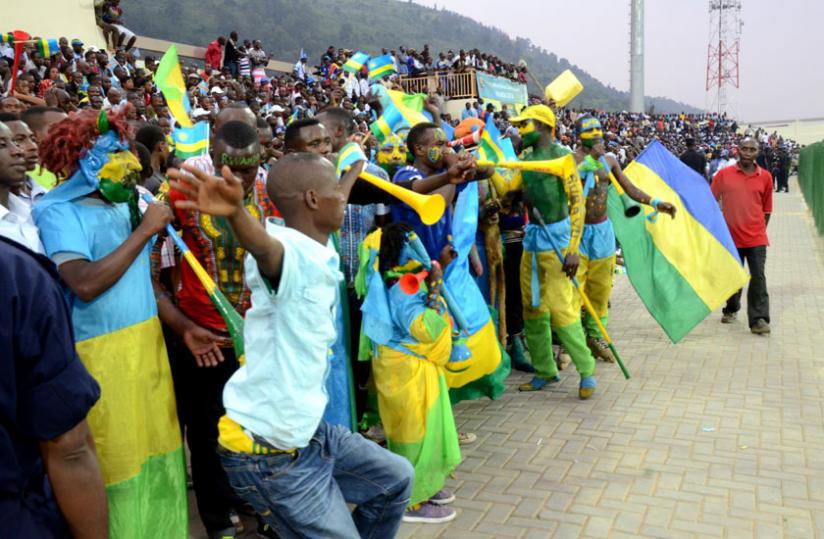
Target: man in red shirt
x=744, y=192
x=214, y=53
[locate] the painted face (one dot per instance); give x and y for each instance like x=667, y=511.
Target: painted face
x=529, y=133
x=118, y=178
x=392, y=152
x=435, y=149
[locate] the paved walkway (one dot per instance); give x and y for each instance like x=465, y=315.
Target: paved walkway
x=720, y=435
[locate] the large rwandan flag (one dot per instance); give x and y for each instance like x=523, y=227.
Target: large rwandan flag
x=682, y=268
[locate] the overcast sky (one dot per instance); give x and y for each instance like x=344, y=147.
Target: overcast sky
x=782, y=66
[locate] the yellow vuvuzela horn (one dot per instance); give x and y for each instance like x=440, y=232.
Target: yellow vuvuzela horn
x=430, y=208
x=562, y=166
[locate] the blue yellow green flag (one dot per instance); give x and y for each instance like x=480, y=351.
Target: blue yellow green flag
x=682, y=268
x=380, y=67
x=493, y=147
x=400, y=110
x=47, y=47
x=350, y=154
x=356, y=62
x=191, y=141
x=169, y=80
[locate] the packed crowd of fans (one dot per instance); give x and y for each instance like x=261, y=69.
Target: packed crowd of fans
x=308, y=111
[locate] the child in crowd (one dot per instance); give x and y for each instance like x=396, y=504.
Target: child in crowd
x=410, y=329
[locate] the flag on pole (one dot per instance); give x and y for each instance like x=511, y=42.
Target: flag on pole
x=356, y=62
x=191, y=141
x=47, y=47
x=493, y=147
x=169, y=80
x=682, y=268
x=380, y=67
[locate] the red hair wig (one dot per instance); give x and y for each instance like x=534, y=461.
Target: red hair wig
x=69, y=140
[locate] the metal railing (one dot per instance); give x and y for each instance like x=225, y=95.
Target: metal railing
x=461, y=85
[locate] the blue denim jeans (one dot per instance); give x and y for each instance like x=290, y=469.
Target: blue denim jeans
x=305, y=494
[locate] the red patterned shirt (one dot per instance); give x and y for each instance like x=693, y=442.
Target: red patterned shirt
x=211, y=241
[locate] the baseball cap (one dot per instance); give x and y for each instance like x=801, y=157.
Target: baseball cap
x=76, y=41
x=539, y=113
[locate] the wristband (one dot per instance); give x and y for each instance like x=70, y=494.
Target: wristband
x=652, y=217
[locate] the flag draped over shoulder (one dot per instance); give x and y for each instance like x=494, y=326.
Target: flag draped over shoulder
x=682, y=268
x=169, y=80
x=191, y=141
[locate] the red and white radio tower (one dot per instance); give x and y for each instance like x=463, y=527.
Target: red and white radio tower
x=722, y=56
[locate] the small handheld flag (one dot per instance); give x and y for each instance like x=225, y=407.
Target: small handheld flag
x=356, y=62
x=191, y=141
x=380, y=67
x=47, y=47
x=169, y=80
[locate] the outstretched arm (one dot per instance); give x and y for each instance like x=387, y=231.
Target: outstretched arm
x=223, y=197
x=634, y=192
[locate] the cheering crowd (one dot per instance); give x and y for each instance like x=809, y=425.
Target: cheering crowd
x=359, y=311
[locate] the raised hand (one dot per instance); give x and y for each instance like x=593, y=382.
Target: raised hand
x=214, y=195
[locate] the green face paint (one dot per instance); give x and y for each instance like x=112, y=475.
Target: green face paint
x=529, y=134
x=439, y=136
x=116, y=192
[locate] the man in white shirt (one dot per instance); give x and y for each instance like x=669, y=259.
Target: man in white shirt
x=15, y=215
x=23, y=137
x=275, y=447
x=300, y=69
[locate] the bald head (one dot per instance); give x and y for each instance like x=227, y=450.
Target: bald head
x=303, y=187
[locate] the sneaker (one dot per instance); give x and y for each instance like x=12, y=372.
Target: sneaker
x=265, y=530
x=443, y=497
x=375, y=433
x=428, y=513
x=728, y=318
x=538, y=383
x=587, y=387
x=600, y=349
x=466, y=438
x=761, y=327
x=236, y=522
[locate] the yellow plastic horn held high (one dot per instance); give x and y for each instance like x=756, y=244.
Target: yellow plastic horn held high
x=562, y=166
x=430, y=208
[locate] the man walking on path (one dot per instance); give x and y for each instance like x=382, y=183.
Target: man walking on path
x=744, y=192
